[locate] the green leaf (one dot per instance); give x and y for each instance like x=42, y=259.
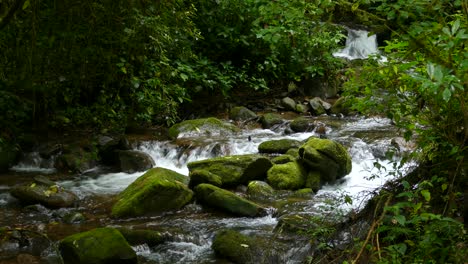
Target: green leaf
x=446, y=94
x=426, y=194
x=401, y=219
x=455, y=26
x=26, y=4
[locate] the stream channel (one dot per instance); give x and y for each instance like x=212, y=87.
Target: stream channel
x=192, y=229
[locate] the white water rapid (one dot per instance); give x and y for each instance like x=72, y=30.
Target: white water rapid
x=359, y=45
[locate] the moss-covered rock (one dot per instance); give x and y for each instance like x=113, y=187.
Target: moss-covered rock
x=280, y=146
x=234, y=246
x=97, y=246
x=313, y=180
x=300, y=108
x=9, y=154
x=283, y=159
x=302, y=124
x=226, y=201
x=293, y=152
x=241, y=113
x=45, y=192
x=330, y=158
x=204, y=176
x=77, y=157
x=142, y=236
x=288, y=103
x=205, y=126
x=340, y=107
x=259, y=189
x=317, y=106
x=133, y=160
x=270, y=119
x=234, y=170
x=156, y=191
x=288, y=176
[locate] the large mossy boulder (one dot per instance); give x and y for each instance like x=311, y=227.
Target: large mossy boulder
x=234, y=246
x=259, y=189
x=241, y=113
x=45, y=192
x=328, y=157
x=227, y=201
x=205, y=126
x=234, y=170
x=279, y=146
x=156, y=191
x=204, y=176
x=9, y=154
x=131, y=161
x=271, y=119
x=97, y=246
x=288, y=176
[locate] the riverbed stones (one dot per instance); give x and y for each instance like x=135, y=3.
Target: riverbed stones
x=227, y=201
x=236, y=169
x=97, y=246
x=45, y=192
x=269, y=120
x=317, y=106
x=204, y=126
x=279, y=146
x=328, y=157
x=234, y=246
x=288, y=176
x=241, y=113
x=156, y=191
x=288, y=103
x=132, y=161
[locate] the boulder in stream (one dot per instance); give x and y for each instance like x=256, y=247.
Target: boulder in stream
x=279, y=146
x=271, y=119
x=77, y=157
x=241, y=113
x=142, y=236
x=97, y=246
x=227, y=201
x=234, y=170
x=156, y=191
x=287, y=176
x=328, y=157
x=259, y=189
x=134, y=160
x=45, y=192
x=234, y=246
x=205, y=126
x=288, y=103
x=302, y=124
x=204, y=176
x=318, y=106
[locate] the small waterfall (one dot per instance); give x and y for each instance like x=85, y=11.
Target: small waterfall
x=359, y=45
x=33, y=162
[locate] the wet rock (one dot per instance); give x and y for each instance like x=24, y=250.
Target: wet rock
x=302, y=124
x=9, y=154
x=283, y=159
x=77, y=158
x=45, y=192
x=108, y=149
x=142, y=236
x=271, y=119
x=203, y=176
x=313, y=180
x=328, y=157
x=48, y=150
x=74, y=218
x=295, y=223
x=340, y=107
x=133, y=160
x=306, y=192
x=259, y=189
x=234, y=246
x=205, y=126
x=300, y=108
x=288, y=176
x=317, y=106
x=280, y=146
x=97, y=246
x=158, y=190
x=288, y=103
x=22, y=244
x=241, y=113
x=234, y=170
x=227, y=201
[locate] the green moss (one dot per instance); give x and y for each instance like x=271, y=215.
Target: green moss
x=204, y=176
x=234, y=246
x=302, y=124
x=313, y=180
x=288, y=176
x=283, y=159
x=204, y=125
x=158, y=190
x=278, y=146
x=142, y=236
x=259, y=189
x=100, y=245
x=241, y=113
x=270, y=119
x=293, y=152
x=227, y=201
x=234, y=170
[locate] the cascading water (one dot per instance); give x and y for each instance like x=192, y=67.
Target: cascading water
x=359, y=45
x=195, y=228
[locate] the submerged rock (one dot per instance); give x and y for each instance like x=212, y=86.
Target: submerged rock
x=133, y=161
x=328, y=157
x=227, y=201
x=280, y=146
x=288, y=176
x=234, y=170
x=241, y=113
x=204, y=126
x=97, y=246
x=156, y=191
x=45, y=192
x=234, y=246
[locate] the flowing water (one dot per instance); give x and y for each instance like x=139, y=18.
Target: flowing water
x=193, y=228
x=360, y=44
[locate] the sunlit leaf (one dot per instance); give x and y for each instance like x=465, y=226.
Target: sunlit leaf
x=426, y=194
x=446, y=94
